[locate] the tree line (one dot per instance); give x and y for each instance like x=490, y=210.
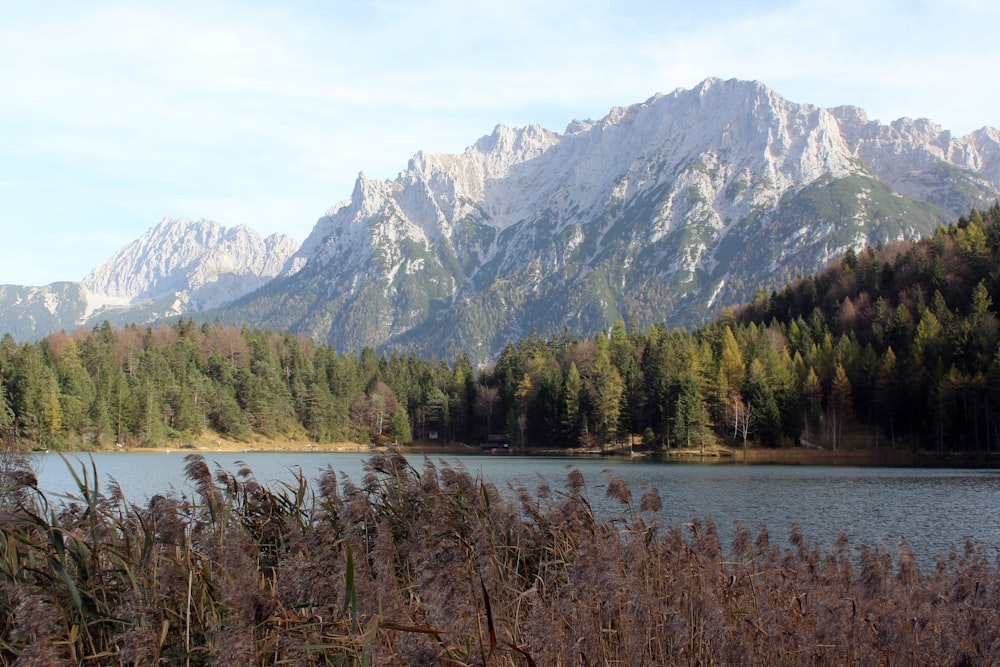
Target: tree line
x=893, y=346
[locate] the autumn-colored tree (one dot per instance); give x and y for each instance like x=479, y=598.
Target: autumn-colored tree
x=605, y=388
x=839, y=408
x=487, y=404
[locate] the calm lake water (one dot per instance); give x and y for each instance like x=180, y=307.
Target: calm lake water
x=933, y=509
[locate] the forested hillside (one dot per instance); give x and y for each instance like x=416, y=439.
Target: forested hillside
x=901, y=339
x=890, y=347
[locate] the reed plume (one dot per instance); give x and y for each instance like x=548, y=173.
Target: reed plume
x=436, y=566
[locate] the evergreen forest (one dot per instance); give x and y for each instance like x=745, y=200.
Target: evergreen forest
x=894, y=346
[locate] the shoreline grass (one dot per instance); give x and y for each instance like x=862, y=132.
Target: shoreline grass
x=434, y=566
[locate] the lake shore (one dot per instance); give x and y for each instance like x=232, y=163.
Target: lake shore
x=710, y=454
x=216, y=443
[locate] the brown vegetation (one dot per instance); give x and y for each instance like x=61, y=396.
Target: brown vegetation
x=436, y=567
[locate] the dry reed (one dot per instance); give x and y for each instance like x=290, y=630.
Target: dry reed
x=433, y=566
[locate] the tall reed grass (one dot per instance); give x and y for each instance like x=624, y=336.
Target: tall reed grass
x=436, y=567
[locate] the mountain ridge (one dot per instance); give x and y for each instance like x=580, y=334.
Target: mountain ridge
x=661, y=211
x=181, y=255
x=176, y=267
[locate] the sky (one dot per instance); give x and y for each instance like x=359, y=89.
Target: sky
x=115, y=115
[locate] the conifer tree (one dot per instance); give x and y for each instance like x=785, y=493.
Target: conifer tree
x=572, y=386
x=839, y=405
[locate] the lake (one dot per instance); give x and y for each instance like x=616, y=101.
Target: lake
x=932, y=508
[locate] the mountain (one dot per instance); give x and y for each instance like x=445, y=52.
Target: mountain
x=27, y=313
x=667, y=210
x=208, y=263
x=177, y=267
x=663, y=211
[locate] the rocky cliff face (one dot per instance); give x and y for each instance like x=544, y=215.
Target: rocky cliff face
x=667, y=210
x=206, y=263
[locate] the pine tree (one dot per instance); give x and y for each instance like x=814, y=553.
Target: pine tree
x=760, y=398
x=572, y=386
x=691, y=418
x=605, y=387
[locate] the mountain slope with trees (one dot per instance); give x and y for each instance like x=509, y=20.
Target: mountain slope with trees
x=910, y=329
x=895, y=346
x=666, y=210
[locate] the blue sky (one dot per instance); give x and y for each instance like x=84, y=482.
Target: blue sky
x=114, y=115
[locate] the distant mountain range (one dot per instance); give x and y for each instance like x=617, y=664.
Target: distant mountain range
x=668, y=210
x=178, y=267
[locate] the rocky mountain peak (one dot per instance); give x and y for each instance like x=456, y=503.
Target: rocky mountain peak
x=661, y=209
x=209, y=263
x=425, y=200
